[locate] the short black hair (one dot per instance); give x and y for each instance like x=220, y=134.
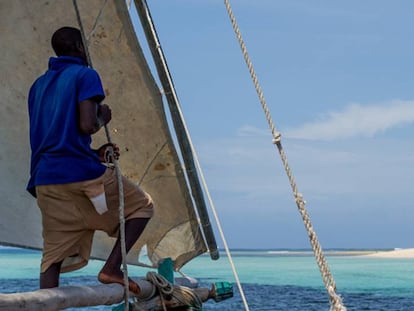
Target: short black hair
x=65, y=40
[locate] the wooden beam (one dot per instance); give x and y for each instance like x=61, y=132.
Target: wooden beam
x=62, y=297
x=85, y=296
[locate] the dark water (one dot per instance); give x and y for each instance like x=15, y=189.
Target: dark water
x=259, y=297
x=293, y=298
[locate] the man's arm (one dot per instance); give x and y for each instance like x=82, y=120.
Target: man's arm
x=92, y=116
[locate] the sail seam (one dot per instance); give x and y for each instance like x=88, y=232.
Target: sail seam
x=95, y=25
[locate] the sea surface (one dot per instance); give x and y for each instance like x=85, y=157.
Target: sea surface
x=270, y=279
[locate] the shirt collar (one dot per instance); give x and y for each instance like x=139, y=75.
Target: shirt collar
x=59, y=62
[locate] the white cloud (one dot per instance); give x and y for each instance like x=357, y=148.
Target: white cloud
x=344, y=183
x=356, y=121
x=250, y=165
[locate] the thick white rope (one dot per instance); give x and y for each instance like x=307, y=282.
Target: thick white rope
x=118, y=174
x=181, y=293
x=163, y=286
x=198, y=166
x=336, y=301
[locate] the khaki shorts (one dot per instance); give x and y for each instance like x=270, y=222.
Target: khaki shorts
x=69, y=218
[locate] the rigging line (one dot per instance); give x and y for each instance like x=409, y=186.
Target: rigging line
x=118, y=174
x=336, y=301
x=198, y=166
x=84, y=41
x=96, y=21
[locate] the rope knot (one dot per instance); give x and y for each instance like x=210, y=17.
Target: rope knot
x=277, y=137
x=169, y=291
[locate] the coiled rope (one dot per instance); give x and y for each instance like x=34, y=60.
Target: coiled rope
x=166, y=290
x=336, y=301
x=117, y=170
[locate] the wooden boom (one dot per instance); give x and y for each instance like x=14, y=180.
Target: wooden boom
x=84, y=296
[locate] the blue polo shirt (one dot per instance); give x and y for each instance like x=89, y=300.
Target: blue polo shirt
x=61, y=153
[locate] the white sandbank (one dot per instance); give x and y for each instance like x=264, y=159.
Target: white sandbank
x=397, y=253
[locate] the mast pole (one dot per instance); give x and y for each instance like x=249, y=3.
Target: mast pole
x=178, y=122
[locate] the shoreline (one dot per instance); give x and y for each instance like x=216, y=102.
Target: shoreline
x=371, y=253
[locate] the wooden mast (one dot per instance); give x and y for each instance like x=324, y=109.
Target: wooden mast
x=182, y=135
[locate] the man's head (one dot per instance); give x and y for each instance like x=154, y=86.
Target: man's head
x=67, y=41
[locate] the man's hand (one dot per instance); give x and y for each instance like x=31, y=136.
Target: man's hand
x=108, y=152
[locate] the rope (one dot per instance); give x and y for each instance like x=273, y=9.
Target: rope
x=182, y=294
x=336, y=301
x=163, y=286
x=118, y=174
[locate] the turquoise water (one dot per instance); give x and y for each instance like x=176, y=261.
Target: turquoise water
x=270, y=280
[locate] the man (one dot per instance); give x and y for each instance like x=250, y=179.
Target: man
x=76, y=193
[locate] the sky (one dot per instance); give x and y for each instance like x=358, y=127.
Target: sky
x=337, y=77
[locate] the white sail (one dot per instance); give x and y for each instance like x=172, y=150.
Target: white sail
x=138, y=127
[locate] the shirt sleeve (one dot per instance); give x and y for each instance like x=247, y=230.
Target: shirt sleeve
x=90, y=86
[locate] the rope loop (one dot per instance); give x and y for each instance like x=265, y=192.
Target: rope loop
x=164, y=287
x=168, y=291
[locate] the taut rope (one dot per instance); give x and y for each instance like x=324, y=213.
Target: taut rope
x=336, y=301
x=118, y=174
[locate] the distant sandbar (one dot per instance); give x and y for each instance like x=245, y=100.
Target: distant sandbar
x=397, y=253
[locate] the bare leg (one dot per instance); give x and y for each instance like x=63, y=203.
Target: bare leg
x=50, y=278
x=111, y=271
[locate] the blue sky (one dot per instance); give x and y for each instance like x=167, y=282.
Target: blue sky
x=338, y=79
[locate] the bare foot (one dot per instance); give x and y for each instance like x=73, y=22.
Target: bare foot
x=107, y=279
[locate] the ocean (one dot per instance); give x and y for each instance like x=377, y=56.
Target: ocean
x=271, y=279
